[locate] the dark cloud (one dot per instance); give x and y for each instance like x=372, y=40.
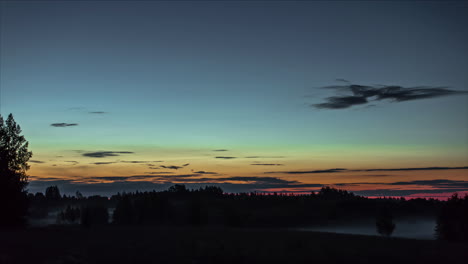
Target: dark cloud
x=44, y=178
x=36, y=161
x=220, y=150
x=361, y=94
x=336, y=102
x=186, y=164
x=310, y=172
x=223, y=157
x=103, y=154
x=135, y=161
x=94, y=185
x=370, y=170
x=63, y=124
x=436, y=186
x=98, y=112
x=72, y=161
x=266, y=164
x=418, y=169
x=439, y=183
x=102, y=163
x=152, y=165
x=160, y=172
x=172, y=167
x=205, y=172
x=180, y=176
x=113, y=178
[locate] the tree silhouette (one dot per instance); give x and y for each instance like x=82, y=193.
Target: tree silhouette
x=384, y=223
x=14, y=156
x=53, y=193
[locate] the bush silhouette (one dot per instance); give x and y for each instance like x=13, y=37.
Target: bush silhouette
x=384, y=223
x=14, y=156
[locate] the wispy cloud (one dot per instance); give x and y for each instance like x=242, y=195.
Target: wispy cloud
x=336, y=170
x=205, y=172
x=98, y=112
x=102, y=163
x=136, y=161
x=103, y=154
x=220, y=150
x=113, y=184
x=224, y=157
x=160, y=172
x=363, y=94
x=63, y=124
x=439, y=183
x=172, y=167
x=418, y=169
x=310, y=172
x=36, y=161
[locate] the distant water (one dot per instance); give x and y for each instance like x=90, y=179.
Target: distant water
x=416, y=229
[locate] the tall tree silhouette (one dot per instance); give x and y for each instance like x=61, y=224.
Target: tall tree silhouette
x=53, y=193
x=14, y=156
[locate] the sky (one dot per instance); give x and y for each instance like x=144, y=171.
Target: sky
x=370, y=97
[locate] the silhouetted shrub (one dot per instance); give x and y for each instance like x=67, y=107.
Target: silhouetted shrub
x=384, y=222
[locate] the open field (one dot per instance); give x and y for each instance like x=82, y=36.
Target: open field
x=214, y=245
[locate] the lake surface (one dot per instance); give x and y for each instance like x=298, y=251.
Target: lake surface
x=416, y=229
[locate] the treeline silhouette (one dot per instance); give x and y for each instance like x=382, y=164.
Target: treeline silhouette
x=452, y=221
x=211, y=206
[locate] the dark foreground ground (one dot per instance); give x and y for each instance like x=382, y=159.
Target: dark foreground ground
x=215, y=245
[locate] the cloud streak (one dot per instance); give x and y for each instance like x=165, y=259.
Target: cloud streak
x=205, y=172
x=171, y=167
x=310, y=172
x=103, y=154
x=36, y=161
x=370, y=170
x=113, y=184
x=63, y=124
x=363, y=94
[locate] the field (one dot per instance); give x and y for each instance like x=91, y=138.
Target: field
x=214, y=245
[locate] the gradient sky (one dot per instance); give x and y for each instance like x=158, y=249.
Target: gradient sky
x=109, y=92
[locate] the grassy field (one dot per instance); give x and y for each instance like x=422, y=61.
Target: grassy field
x=214, y=245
